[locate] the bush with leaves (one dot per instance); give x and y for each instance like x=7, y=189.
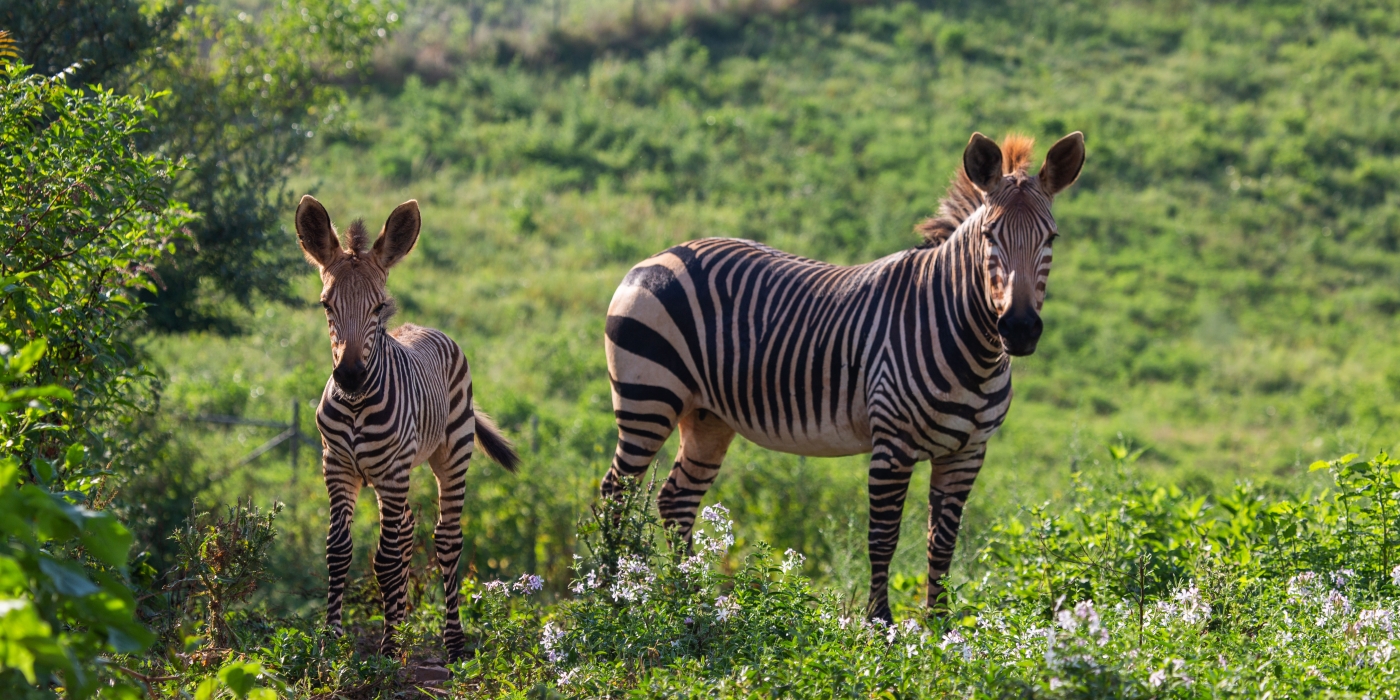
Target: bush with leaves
x=87, y=214
x=221, y=562
x=249, y=85
x=64, y=599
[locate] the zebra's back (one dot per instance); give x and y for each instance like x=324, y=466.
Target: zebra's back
x=776, y=344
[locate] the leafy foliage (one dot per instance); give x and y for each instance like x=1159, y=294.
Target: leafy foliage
x=248, y=88
x=222, y=561
x=63, y=595
x=89, y=215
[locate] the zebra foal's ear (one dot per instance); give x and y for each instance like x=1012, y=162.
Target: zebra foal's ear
x=982, y=162
x=399, y=234
x=315, y=233
x=1062, y=164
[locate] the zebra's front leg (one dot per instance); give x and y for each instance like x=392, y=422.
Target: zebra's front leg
x=391, y=558
x=949, y=485
x=891, y=465
x=343, y=486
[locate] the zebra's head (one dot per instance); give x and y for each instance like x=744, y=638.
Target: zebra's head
x=1014, y=220
x=354, y=293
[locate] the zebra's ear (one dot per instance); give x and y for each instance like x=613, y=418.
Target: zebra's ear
x=398, y=236
x=1062, y=164
x=315, y=233
x=982, y=162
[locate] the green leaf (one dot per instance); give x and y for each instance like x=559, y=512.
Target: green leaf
x=74, y=456
x=23, y=360
x=206, y=689
x=48, y=391
x=107, y=539
x=68, y=578
x=240, y=676
x=1319, y=464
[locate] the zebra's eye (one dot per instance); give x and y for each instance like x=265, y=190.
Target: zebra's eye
x=1053, y=236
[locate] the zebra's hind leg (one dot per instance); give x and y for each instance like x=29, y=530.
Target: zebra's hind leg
x=390, y=562
x=450, y=468
x=646, y=415
x=949, y=486
x=704, y=440
x=891, y=465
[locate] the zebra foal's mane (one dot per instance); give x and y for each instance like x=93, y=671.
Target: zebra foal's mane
x=963, y=197
x=357, y=238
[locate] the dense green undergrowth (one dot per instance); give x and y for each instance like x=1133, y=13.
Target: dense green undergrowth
x=1126, y=590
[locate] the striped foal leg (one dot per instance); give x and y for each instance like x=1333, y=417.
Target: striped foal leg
x=450, y=468
x=949, y=485
x=343, y=487
x=704, y=440
x=891, y=465
x=390, y=559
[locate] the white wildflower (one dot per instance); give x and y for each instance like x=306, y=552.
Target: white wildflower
x=1055, y=683
x=528, y=583
x=587, y=583
x=1381, y=654
x=1157, y=678
x=1333, y=603
x=1303, y=585
x=498, y=587
x=1342, y=577
x=1190, y=606
x=1379, y=618
x=725, y=608
x=717, y=515
x=634, y=579
x=1065, y=619
x=792, y=561
x=550, y=637
x=952, y=637
x=1395, y=575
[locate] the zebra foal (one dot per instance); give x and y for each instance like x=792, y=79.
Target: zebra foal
x=395, y=400
x=906, y=358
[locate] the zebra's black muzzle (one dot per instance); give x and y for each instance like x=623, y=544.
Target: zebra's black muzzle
x=350, y=378
x=1020, y=332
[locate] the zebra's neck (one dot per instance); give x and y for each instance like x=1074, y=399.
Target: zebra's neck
x=960, y=280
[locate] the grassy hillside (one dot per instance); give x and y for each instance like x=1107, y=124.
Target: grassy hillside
x=1224, y=291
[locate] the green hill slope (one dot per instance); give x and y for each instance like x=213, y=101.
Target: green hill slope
x=1224, y=289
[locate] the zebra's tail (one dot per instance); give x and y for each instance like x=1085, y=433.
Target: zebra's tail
x=493, y=443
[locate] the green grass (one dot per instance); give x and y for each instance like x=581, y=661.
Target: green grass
x=1223, y=291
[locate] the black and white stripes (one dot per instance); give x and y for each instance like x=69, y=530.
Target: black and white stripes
x=906, y=358
x=395, y=400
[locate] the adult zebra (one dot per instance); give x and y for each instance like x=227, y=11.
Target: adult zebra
x=395, y=400
x=906, y=357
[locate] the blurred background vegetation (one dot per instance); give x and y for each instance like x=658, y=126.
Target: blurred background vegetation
x=1224, y=293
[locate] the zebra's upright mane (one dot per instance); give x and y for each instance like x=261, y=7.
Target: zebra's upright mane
x=963, y=197
x=357, y=238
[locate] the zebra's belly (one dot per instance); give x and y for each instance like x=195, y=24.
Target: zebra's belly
x=818, y=442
